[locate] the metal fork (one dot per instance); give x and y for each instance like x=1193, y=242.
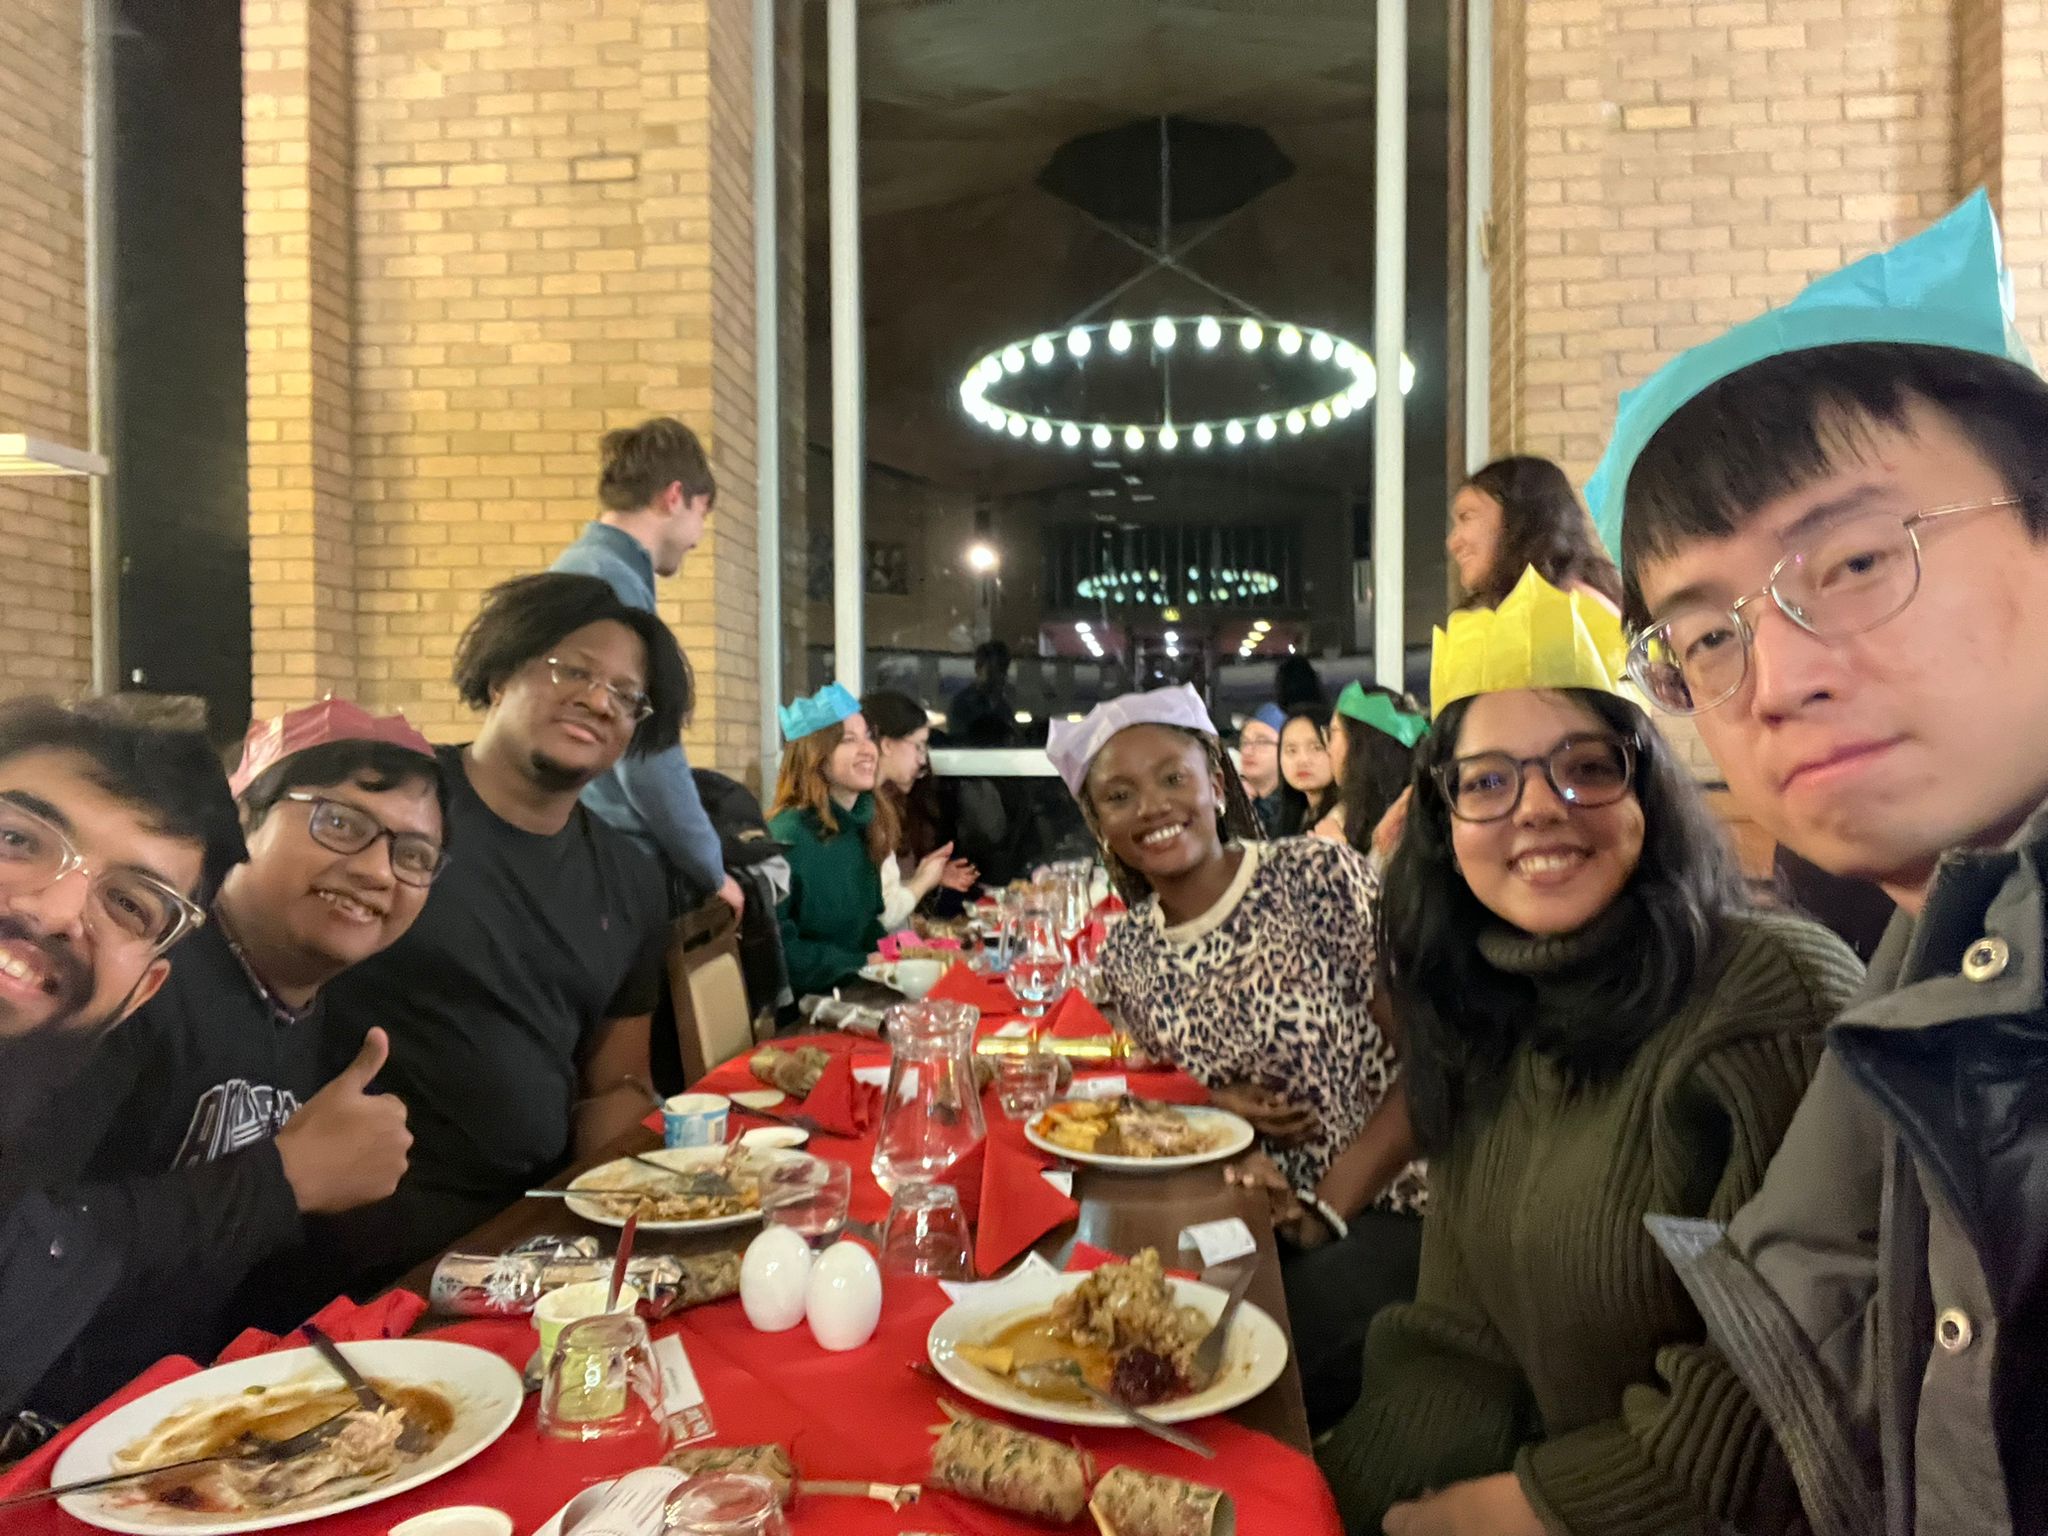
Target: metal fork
x=1069, y=1372
x=249, y=1448
x=695, y=1181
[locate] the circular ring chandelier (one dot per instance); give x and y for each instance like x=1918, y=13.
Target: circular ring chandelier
x=1158, y=588
x=1351, y=368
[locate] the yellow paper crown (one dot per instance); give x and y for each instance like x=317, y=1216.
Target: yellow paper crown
x=1538, y=637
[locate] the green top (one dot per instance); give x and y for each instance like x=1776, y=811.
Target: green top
x=832, y=917
x=1548, y=1334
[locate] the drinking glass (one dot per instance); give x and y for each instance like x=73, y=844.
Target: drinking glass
x=603, y=1384
x=1025, y=1082
x=726, y=1504
x=926, y=1233
x=1041, y=961
x=808, y=1195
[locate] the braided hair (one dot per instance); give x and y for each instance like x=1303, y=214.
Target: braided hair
x=1237, y=821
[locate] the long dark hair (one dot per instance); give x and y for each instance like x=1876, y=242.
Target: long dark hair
x=1464, y=1018
x=1236, y=820
x=1543, y=525
x=895, y=716
x=1376, y=770
x=1325, y=800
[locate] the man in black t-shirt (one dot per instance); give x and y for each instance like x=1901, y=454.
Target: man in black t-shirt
x=213, y=1099
x=517, y=1007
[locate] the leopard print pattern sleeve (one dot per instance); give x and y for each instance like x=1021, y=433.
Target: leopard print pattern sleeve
x=1271, y=987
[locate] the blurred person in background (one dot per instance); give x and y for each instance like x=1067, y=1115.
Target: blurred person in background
x=1305, y=765
x=1518, y=514
x=923, y=862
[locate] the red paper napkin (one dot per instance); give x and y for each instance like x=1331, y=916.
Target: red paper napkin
x=840, y=1104
x=988, y=993
x=33, y=1470
x=390, y=1316
x=1073, y=1017
x=1002, y=1193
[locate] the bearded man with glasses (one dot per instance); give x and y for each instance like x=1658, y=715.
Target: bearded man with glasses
x=114, y=834
x=517, y=1006
x=1833, y=526
x=217, y=1094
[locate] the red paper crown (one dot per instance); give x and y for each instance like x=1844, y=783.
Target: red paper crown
x=270, y=742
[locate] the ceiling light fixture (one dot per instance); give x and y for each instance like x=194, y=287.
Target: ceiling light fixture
x=1353, y=380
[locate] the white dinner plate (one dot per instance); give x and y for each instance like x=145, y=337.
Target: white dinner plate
x=1239, y=1136
x=1253, y=1357
x=624, y=1170
x=482, y=1389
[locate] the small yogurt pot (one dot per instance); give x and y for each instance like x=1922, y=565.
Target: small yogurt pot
x=694, y=1120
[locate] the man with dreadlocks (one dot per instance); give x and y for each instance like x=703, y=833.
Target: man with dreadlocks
x=1249, y=965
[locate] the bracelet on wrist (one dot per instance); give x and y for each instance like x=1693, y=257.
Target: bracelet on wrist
x=1326, y=1213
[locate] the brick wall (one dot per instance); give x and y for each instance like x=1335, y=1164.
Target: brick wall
x=1682, y=164
x=45, y=624
x=544, y=231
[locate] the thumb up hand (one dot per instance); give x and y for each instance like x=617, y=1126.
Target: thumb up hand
x=347, y=1147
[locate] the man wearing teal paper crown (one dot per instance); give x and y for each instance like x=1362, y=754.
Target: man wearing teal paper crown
x=1833, y=527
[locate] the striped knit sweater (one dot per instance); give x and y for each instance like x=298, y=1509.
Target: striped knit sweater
x=1548, y=1335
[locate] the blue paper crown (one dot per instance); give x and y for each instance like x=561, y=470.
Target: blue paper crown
x=828, y=706
x=1271, y=714
x=1944, y=287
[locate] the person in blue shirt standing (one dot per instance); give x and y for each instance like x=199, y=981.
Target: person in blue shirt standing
x=657, y=489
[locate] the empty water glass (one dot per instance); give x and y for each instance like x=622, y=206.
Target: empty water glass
x=808, y=1195
x=926, y=1233
x=1025, y=1082
x=1039, y=970
x=603, y=1383
x=726, y=1504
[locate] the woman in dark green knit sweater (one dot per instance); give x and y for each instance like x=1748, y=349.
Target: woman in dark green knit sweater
x=838, y=833
x=1596, y=1030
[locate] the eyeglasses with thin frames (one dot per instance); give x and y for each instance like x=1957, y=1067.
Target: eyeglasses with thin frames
x=577, y=681
x=1844, y=579
x=343, y=828
x=126, y=906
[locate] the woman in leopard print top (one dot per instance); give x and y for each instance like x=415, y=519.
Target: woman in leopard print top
x=1249, y=966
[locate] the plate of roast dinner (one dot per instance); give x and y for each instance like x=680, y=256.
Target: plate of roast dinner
x=1128, y=1329
x=455, y=1398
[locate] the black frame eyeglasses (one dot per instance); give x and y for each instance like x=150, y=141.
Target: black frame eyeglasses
x=416, y=859
x=1843, y=579
x=127, y=905
x=575, y=680
x=1573, y=768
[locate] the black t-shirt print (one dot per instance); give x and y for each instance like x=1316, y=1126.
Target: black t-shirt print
x=526, y=945
x=204, y=1069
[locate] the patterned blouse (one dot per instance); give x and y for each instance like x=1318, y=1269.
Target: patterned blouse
x=1270, y=986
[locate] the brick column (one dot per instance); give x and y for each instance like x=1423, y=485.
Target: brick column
x=2002, y=134
x=45, y=622
x=695, y=328
x=1678, y=165
x=298, y=158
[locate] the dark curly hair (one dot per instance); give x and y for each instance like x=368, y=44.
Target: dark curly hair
x=1464, y=1019
x=525, y=618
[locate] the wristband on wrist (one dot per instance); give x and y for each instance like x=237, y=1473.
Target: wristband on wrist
x=1337, y=1224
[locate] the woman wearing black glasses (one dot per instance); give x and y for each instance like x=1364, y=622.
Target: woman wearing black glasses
x=1596, y=1030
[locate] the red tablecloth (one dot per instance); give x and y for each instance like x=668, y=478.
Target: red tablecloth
x=863, y=1414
